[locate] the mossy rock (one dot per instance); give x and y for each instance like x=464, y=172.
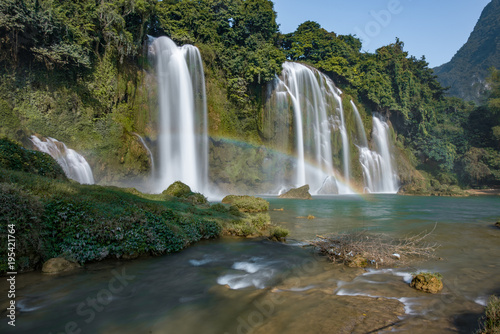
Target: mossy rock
x=297, y=193
x=178, y=189
x=247, y=203
x=427, y=282
x=58, y=265
x=278, y=233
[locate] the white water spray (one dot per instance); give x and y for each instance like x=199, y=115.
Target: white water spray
x=317, y=110
x=182, y=139
x=74, y=164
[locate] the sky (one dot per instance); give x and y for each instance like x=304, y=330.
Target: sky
x=435, y=29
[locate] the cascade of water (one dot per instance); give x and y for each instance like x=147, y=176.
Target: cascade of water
x=389, y=179
x=317, y=109
x=74, y=165
x=363, y=142
x=345, y=140
x=377, y=166
x=148, y=150
x=182, y=140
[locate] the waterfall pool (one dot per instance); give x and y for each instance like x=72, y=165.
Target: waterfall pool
x=257, y=286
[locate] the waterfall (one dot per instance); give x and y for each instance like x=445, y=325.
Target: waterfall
x=316, y=106
x=74, y=165
x=150, y=154
x=363, y=142
x=182, y=131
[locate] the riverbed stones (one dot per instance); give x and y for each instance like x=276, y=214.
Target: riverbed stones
x=58, y=265
x=427, y=282
x=297, y=193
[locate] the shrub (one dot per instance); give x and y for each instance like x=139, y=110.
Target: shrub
x=491, y=320
x=278, y=233
x=16, y=157
x=247, y=203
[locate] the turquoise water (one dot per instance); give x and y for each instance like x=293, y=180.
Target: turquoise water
x=257, y=286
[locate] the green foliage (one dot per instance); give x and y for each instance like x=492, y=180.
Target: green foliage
x=89, y=223
x=22, y=210
x=491, y=320
x=278, y=233
x=247, y=203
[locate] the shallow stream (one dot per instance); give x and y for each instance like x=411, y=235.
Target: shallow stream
x=257, y=286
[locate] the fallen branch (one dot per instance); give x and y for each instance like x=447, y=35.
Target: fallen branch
x=361, y=248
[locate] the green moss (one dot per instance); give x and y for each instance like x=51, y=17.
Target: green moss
x=177, y=189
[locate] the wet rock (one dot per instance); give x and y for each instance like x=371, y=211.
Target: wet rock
x=58, y=265
x=297, y=193
x=427, y=282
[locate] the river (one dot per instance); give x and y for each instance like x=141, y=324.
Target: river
x=256, y=286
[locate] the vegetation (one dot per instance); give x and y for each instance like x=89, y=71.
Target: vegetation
x=78, y=71
x=491, y=320
x=247, y=203
x=53, y=216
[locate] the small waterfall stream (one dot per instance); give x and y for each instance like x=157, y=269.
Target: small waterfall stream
x=378, y=171
x=74, y=164
x=182, y=141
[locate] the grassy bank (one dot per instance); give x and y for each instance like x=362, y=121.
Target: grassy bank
x=56, y=217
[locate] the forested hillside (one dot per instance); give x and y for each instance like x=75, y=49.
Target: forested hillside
x=79, y=71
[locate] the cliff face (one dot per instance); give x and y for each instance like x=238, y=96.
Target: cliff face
x=466, y=72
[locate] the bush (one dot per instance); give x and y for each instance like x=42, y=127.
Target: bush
x=491, y=320
x=247, y=203
x=278, y=233
x=16, y=157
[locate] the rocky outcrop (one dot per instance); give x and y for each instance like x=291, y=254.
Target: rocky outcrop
x=427, y=282
x=58, y=265
x=297, y=193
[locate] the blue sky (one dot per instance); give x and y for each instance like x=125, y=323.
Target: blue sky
x=434, y=28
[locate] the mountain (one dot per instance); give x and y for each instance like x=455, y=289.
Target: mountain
x=466, y=72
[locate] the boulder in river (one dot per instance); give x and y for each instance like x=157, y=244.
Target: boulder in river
x=297, y=193
x=58, y=265
x=427, y=282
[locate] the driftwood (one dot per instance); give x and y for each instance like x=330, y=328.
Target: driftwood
x=361, y=248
